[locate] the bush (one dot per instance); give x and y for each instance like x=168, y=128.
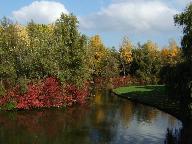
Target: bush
x=47, y=93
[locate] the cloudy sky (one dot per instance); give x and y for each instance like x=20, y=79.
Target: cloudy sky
x=140, y=20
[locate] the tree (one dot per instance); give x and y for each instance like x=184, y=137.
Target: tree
x=109, y=65
x=126, y=55
x=172, y=54
x=70, y=48
x=146, y=62
x=8, y=44
x=97, y=53
x=40, y=60
x=184, y=19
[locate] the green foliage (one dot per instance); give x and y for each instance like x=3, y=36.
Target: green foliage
x=109, y=65
x=2, y=89
x=146, y=62
x=102, y=60
x=9, y=106
x=184, y=19
x=23, y=84
x=70, y=48
x=36, y=51
x=178, y=79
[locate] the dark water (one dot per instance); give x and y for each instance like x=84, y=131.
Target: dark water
x=108, y=119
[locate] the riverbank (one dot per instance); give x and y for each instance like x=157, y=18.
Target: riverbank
x=152, y=95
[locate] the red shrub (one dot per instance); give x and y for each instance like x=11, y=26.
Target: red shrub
x=29, y=99
x=48, y=93
x=76, y=95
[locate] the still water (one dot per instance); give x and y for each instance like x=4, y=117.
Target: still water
x=107, y=119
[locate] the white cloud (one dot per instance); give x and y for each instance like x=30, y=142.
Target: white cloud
x=40, y=12
x=132, y=16
x=172, y=3
x=184, y=2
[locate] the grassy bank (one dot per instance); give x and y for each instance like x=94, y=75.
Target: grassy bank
x=152, y=95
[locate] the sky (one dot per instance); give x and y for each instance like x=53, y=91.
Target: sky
x=139, y=20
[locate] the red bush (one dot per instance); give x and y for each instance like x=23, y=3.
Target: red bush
x=48, y=93
x=76, y=95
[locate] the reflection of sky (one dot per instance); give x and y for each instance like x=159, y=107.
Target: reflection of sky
x=152, y=132
x=95, y=136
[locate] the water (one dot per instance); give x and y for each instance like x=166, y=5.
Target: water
x=107, y=119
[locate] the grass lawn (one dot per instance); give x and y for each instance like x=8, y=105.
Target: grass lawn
x=152, y=95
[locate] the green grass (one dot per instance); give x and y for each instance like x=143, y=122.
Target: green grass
x=148, y=89
x=153, y=95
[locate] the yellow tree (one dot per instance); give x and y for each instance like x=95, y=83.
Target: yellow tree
x=172, y=54
x=150, y=46
x=125, y=54
x=22, y=33
x=96, y=52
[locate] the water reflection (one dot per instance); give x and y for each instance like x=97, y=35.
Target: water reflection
x=108, y=119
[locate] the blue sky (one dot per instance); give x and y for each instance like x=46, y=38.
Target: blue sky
x=140, y=20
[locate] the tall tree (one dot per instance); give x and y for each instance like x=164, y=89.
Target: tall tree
x=184, y=19
x=97, y=53
x=146, y=62
x=126, y=55
x=70, y=47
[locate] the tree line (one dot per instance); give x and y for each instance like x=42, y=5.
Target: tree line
x=35, y=51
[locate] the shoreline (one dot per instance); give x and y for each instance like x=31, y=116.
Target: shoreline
x=169, y=108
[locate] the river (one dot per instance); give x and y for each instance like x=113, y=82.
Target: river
x=106, y=119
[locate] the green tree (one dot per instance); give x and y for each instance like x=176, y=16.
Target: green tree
x=146, y=62
x=8, y=44
x=184, y=19
x=40, y=60
x=178, y=77
x=70, y=47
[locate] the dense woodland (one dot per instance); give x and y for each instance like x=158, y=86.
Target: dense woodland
x=52, y=65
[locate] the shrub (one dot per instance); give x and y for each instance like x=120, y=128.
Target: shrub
x=47, y=93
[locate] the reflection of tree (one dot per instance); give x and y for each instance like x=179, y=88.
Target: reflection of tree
x=103, y=118
x=42, y=126
x=126, y=112
x=173, y=136
x=98, y=97
x=100, y=116
x=180, y=136
x=171, y=121
x=145, y=113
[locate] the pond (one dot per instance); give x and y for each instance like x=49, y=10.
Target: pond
x=107, y=119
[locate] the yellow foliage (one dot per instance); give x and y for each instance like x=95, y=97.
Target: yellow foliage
x=172, y=53
x=96, y=41
x=151, y=46
x=126, y=51
x=97, y=48
x=22, y=33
